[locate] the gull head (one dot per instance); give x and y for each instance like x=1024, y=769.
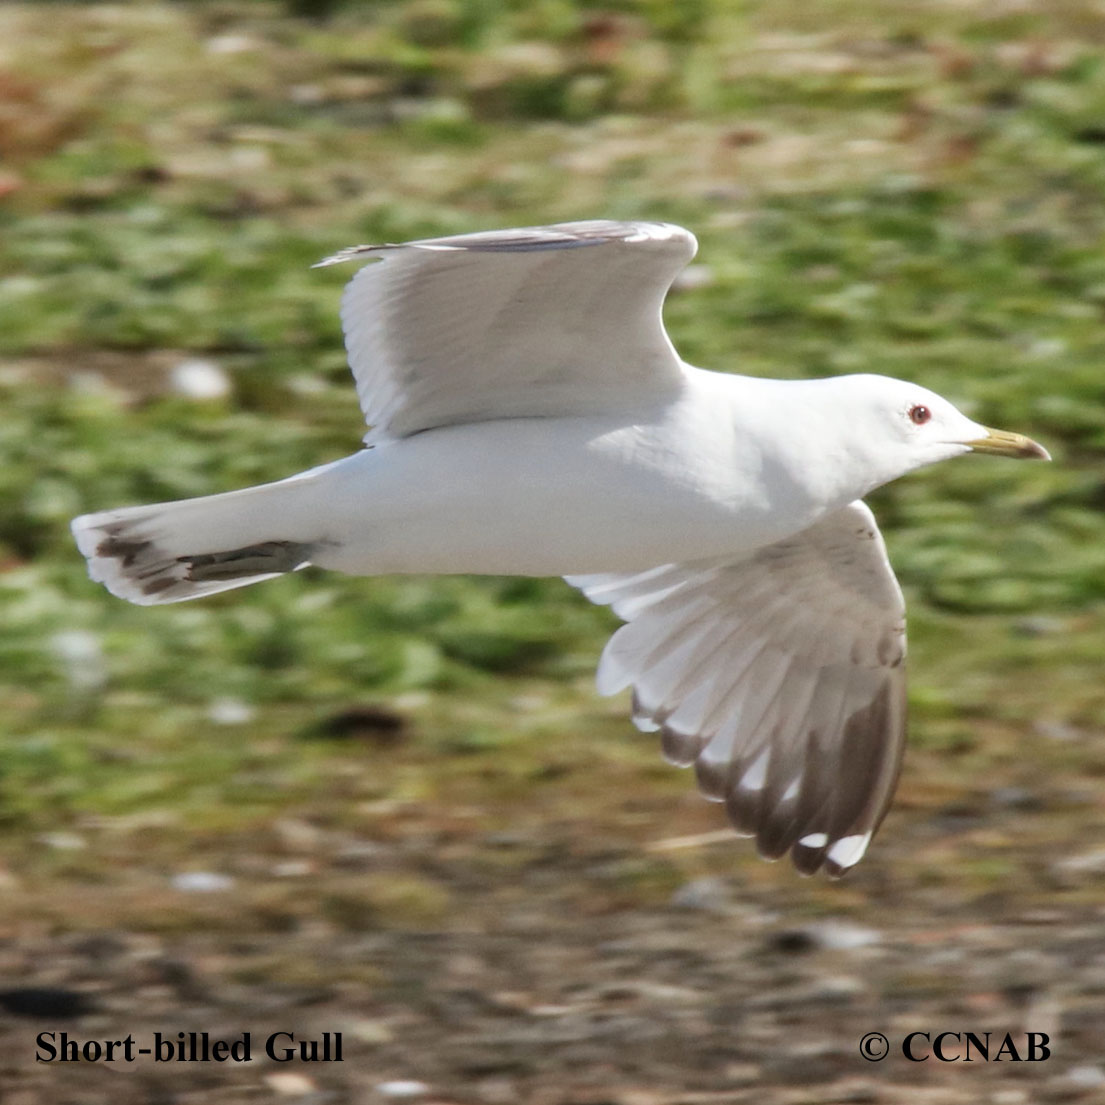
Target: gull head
x=899, y=426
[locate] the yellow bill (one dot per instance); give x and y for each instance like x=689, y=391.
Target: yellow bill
x=1004, y=444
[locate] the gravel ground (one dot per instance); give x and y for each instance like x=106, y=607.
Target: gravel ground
x=519, y=994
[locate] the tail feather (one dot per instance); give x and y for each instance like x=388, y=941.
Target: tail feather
x=171, y=552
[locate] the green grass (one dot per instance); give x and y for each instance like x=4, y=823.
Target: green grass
x=916, y=190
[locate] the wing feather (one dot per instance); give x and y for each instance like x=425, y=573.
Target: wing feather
x=780, y=677
x=539, y=321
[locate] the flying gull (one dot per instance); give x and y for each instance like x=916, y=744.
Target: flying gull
x=528, y=415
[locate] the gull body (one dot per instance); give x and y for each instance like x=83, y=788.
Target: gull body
x=699, y=475
x=529, y=416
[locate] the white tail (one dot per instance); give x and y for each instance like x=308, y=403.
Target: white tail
x=171, y=552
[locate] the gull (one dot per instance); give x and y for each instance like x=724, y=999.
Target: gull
x=528, y=415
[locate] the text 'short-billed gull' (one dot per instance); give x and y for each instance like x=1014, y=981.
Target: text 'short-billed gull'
x=529, y=416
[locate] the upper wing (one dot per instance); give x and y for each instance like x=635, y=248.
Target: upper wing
x=780, y=676
x=547, y=320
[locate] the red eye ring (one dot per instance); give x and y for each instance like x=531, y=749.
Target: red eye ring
x=919, y=414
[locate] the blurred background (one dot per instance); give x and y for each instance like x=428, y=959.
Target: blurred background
x=395, y=808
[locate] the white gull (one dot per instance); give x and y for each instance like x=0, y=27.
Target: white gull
x=528, y=415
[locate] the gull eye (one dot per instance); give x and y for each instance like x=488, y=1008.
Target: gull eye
x=919, y=414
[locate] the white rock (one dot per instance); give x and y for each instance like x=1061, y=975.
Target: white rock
x=291, y=1084
x=843, y=936
x=1092, y=862
x=708, y=894
x=405, y=1089
x=292, y=869
x=200, y=379
x=63, y=842
x=201, y=882
x=231, y=44
x=1047, y=348
x=250, y=158
x=1086, y=1077
x=230, y=711
x=306, y=94
x=1009, y=1097
x=82, y=657
x=370, y=1031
